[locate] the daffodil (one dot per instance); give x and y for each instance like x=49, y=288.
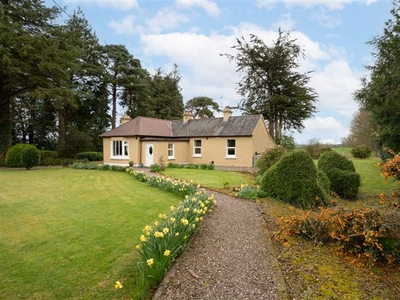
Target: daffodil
x=158, y=234
x=150, y=262
x=167, y=252
x=142, y=238
x=137, y=247
x=172, y=220
x=118, y=285
x=184, y=221
x=177, y=234
x=165, y=230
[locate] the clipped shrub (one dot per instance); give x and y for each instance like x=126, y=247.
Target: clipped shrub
x=340, y=170
x=294, y=179
x=90, y=156
x=50, y=161
x=268, y=158
x=362, y=152
x=344, y=183
x=14, y=155
x=331, y=159
x=30, y=157
x=47, y=154
x=324, y=149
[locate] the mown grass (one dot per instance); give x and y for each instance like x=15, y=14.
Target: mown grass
x=70, y=234
x=214, y=179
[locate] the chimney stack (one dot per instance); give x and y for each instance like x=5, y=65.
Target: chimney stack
x=125, y=119
x=187, y=115
x=227, y=113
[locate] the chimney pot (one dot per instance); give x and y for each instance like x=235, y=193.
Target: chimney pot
x=187, y=115
x=227, y=113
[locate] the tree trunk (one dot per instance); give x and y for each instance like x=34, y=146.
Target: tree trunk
x=114, y=107
x=5, y=126
x=62, y=132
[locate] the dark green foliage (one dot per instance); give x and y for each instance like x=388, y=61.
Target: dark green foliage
x=341, y=173
x=324, y=181
x=331, y=160
x=362, y=152
x=344, y=183
x=51, y=162
x=202, y=107
x=30, y=157
x=75, y=142
x=156, y=168
x=380, y=89
x=48, y=154
x=14, y=155
x=324, y=149
x=271, y=84
x=90, y=156
x=294, y=179
x=268, y=158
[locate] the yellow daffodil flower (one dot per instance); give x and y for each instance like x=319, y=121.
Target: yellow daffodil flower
x=150, y=262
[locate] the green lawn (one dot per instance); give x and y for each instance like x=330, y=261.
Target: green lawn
x=371, y=180
x=214, y=179
x=70, y=234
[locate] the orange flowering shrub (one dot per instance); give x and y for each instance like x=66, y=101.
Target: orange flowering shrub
x=356, y=232
x=391, y=168
x=364, y=233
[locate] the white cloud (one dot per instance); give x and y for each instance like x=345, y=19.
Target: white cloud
x=165, y=19
x=327, y=130
x=117, y=4
x=335, y=84
x=209, y=6
x=330, y=4
x=209, y=74
x=325, y=19
x=285, y=23
x=123, y=27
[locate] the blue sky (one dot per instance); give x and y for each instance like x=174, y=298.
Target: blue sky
x=192, y=34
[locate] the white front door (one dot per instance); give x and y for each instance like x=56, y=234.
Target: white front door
x=149, y=155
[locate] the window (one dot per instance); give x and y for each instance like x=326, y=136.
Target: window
x=120, y=149
x=231, y=148
x=197, y=148
x=171, y=154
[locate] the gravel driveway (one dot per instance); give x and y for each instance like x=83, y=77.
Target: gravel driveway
x=231, y=257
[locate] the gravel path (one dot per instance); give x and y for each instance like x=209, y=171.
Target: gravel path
x=231, y=257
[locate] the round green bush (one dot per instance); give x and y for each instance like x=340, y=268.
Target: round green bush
x=14, y=154
x=362, y=152
x=268, y=158
x=30, y=157
x=341, y=172
x=331, y=159
x=294, y=179
x=344, y=183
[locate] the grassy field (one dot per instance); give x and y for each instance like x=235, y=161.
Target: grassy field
x=214, y=179
x=70, y=234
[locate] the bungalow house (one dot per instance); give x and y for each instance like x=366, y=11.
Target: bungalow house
x=226, y=141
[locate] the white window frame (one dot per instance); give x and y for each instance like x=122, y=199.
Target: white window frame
x=119, y=149
x=171, y=151
x=229, y=149
x=197, y=148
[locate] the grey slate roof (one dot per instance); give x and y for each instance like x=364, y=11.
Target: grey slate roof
x=206, y=127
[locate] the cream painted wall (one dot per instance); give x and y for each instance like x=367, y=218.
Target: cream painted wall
x=214, y=149
x=262, y=139
x=133, y=149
